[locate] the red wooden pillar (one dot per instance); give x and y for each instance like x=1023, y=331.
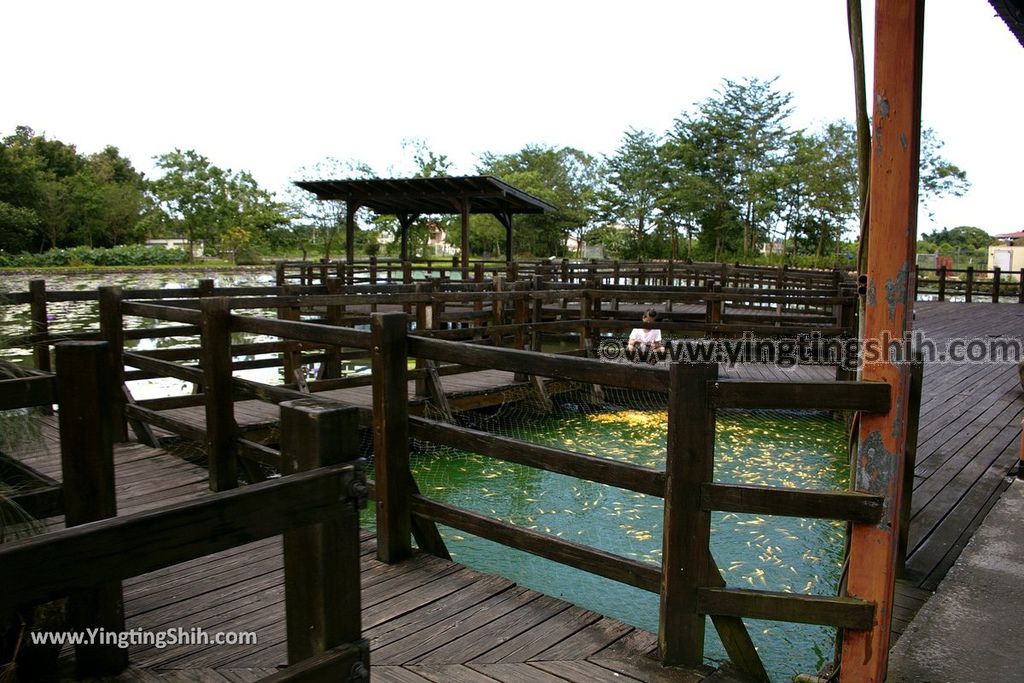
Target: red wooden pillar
x=893, y=215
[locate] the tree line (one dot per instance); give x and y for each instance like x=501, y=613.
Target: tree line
x=730, y=179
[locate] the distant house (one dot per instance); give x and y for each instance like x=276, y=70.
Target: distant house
x=584, y=248
x=1008, y=255
x=438, y=240
x=177, y=243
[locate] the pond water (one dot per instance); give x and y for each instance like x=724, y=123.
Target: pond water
x=755, y=551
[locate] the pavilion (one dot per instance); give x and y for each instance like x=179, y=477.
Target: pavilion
x=410, y=198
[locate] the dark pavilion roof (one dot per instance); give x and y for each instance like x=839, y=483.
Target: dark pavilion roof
x=1012, y=12
x=486, y=194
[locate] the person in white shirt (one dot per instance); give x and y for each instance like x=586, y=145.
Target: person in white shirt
x=646, y=340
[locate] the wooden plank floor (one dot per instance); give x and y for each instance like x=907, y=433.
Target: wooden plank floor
x=425, y=618
x=968, y=439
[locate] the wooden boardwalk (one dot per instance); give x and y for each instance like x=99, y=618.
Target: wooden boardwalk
x=968, y=439
x=428, y=619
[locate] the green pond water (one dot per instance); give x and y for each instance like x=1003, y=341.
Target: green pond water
x=753, y=551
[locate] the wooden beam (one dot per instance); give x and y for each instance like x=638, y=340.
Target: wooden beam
x=848, y=613
x=687, y=527
x=321, y=561
x=608, y=565
x=825, y=395
x=844, y=505
x=85, y=398
x=899, y=28
x=61, y=562
x=464, y=210
x=218, y=392
x=391, y=436
x=602, y=470
x=350, y=230
x=112, y=329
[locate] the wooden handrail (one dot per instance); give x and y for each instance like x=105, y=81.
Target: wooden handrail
x=608, y=565
x=601, y=470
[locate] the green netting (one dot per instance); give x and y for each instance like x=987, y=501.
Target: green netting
x=795, y=449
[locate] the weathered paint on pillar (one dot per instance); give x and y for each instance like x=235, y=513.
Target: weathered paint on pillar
x=895, y=158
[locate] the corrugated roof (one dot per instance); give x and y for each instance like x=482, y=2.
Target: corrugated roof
x=1010, y=235
x=486, y=194
x=1012, y=12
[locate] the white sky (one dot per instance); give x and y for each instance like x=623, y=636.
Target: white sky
x=271, y=87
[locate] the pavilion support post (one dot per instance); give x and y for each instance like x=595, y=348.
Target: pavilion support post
x=893, y=217
x=405, y=221
x=350, y=231
x=464, y=210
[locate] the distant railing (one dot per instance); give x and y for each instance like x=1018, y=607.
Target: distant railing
x=946, y=284
x=666, y=273
x=38, y=495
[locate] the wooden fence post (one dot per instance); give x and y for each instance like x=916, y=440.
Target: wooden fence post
x=713, y=314
x=206, y=287
x=423, y=312
x=40, y=323
x=913, y=421
x=1020, y=287
x=112, y=330
x=215, y=360
x=391, y=436
x=995, y=284
x=969, y=291
x=331, y=367
x=942, y=282
x=279, y=274
x=687, y=528
x=537, y=314
x=321, y=561
x=290, y=355
x=85, y=398
x=615, y=283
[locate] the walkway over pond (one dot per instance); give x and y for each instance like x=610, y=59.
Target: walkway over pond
x=424, y=617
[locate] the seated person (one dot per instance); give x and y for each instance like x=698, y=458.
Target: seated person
x=646, y=341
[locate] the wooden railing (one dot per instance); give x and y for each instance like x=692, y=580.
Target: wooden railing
x=315, y=506
x=688, y=582
x=969, y=284
x=38, y=495
x=376, y=270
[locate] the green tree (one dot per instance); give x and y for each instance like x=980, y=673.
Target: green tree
x=565, y=177
x=746, y=123
x=201, y=201
x=633, y=187
x=323, y=222
x=939, y=176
